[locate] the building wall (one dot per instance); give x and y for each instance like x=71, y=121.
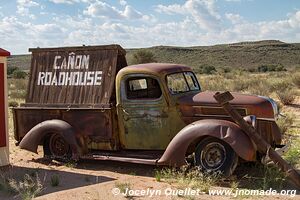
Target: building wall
x=4, y=151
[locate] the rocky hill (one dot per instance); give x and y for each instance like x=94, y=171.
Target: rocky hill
x=237, y=55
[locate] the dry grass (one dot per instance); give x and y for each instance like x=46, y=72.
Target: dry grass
x=188, y=178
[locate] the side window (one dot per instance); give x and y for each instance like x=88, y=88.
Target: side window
x=142, y=88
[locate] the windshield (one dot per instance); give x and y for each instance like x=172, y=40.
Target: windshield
x=182, y=82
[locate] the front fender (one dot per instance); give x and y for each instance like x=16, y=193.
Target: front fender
x=224, y=130
x=37, y=134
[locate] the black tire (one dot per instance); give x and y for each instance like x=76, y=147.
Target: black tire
x=215, y=155
x=57, y=148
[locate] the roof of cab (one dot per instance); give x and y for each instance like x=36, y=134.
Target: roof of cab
x=155, y=68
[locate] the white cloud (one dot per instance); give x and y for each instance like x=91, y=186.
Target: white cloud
x=233, y=0
x=234, y=18
x=24, y=5
x=68, y=1
x=104, y=24
x=123, y=2
x=102, y=9
x=202, y=11
x=105, y=10
x=171, y=9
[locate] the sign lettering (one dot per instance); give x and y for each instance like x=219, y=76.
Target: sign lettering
x=72, y=63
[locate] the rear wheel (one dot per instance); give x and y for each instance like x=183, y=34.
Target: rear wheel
x=214, y=155
x=56, y=147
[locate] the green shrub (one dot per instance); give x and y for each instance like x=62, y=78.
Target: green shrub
x=19, y=74
x=225, y=70
x=271, y=68
x=284, y=90
x=28, y=188
x=293, y=153
x=13, y=104
x=142, y=56
x=17, y=94
x=286, y=97
x=55, y=180
x=188, y=178
x=296, y=79
x=206, y=69
x=273, y=178
x=10, y=70
x=285, y=122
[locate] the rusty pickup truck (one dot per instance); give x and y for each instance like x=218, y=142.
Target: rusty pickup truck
x=86, y=103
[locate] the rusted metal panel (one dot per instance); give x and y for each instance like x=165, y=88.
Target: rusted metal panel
x=93, y=125
x=246, y=105
x=74, y=75
x=31, y=141
x=193, y=133
x=262, y=145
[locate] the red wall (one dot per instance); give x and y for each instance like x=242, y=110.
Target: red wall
x=2, y=108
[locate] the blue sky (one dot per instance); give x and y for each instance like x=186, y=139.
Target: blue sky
x=134, y=23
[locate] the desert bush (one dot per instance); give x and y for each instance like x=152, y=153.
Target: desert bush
x=273, y=178
x=296, y=79
x=17, y=94
x=10, y=70
x=286, y=97
x=206, y=69
x=55, y=180
x=142, y=56
x=271, y=68
x=184, y=177
x=19, y=74
x=13, y=104
x=284, y=90
x=285, y=122
x=4, y=183
x=28, y=188
x=213, y=83
x=260, y=88
x=293, y=153
x=123, y=187
x=225, y=70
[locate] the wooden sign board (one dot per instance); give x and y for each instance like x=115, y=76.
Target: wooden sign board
x=74, y=75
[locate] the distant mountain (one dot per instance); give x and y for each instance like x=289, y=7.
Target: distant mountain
x=236, y=55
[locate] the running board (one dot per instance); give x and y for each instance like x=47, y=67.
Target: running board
x=123, y=159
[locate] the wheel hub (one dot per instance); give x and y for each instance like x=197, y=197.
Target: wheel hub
x=213, y=155
x=58, y=146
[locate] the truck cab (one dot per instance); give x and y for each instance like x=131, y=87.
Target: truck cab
x=154, y=113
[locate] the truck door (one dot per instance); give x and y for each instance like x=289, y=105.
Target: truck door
x=144, y=114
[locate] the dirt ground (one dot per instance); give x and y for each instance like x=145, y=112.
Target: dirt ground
x=96, y=179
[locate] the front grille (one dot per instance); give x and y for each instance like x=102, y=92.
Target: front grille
x=264, y=128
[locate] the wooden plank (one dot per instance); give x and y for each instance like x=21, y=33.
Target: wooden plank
x=79, y=66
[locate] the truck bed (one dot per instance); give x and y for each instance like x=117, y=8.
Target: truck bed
x=95, y=124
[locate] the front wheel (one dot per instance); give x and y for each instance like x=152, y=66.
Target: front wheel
x=57, y=148
x=215, y=155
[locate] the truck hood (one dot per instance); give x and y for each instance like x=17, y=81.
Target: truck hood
x=203, y=103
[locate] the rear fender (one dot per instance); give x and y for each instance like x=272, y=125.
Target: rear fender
x=225, y=130
x=38, y=133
